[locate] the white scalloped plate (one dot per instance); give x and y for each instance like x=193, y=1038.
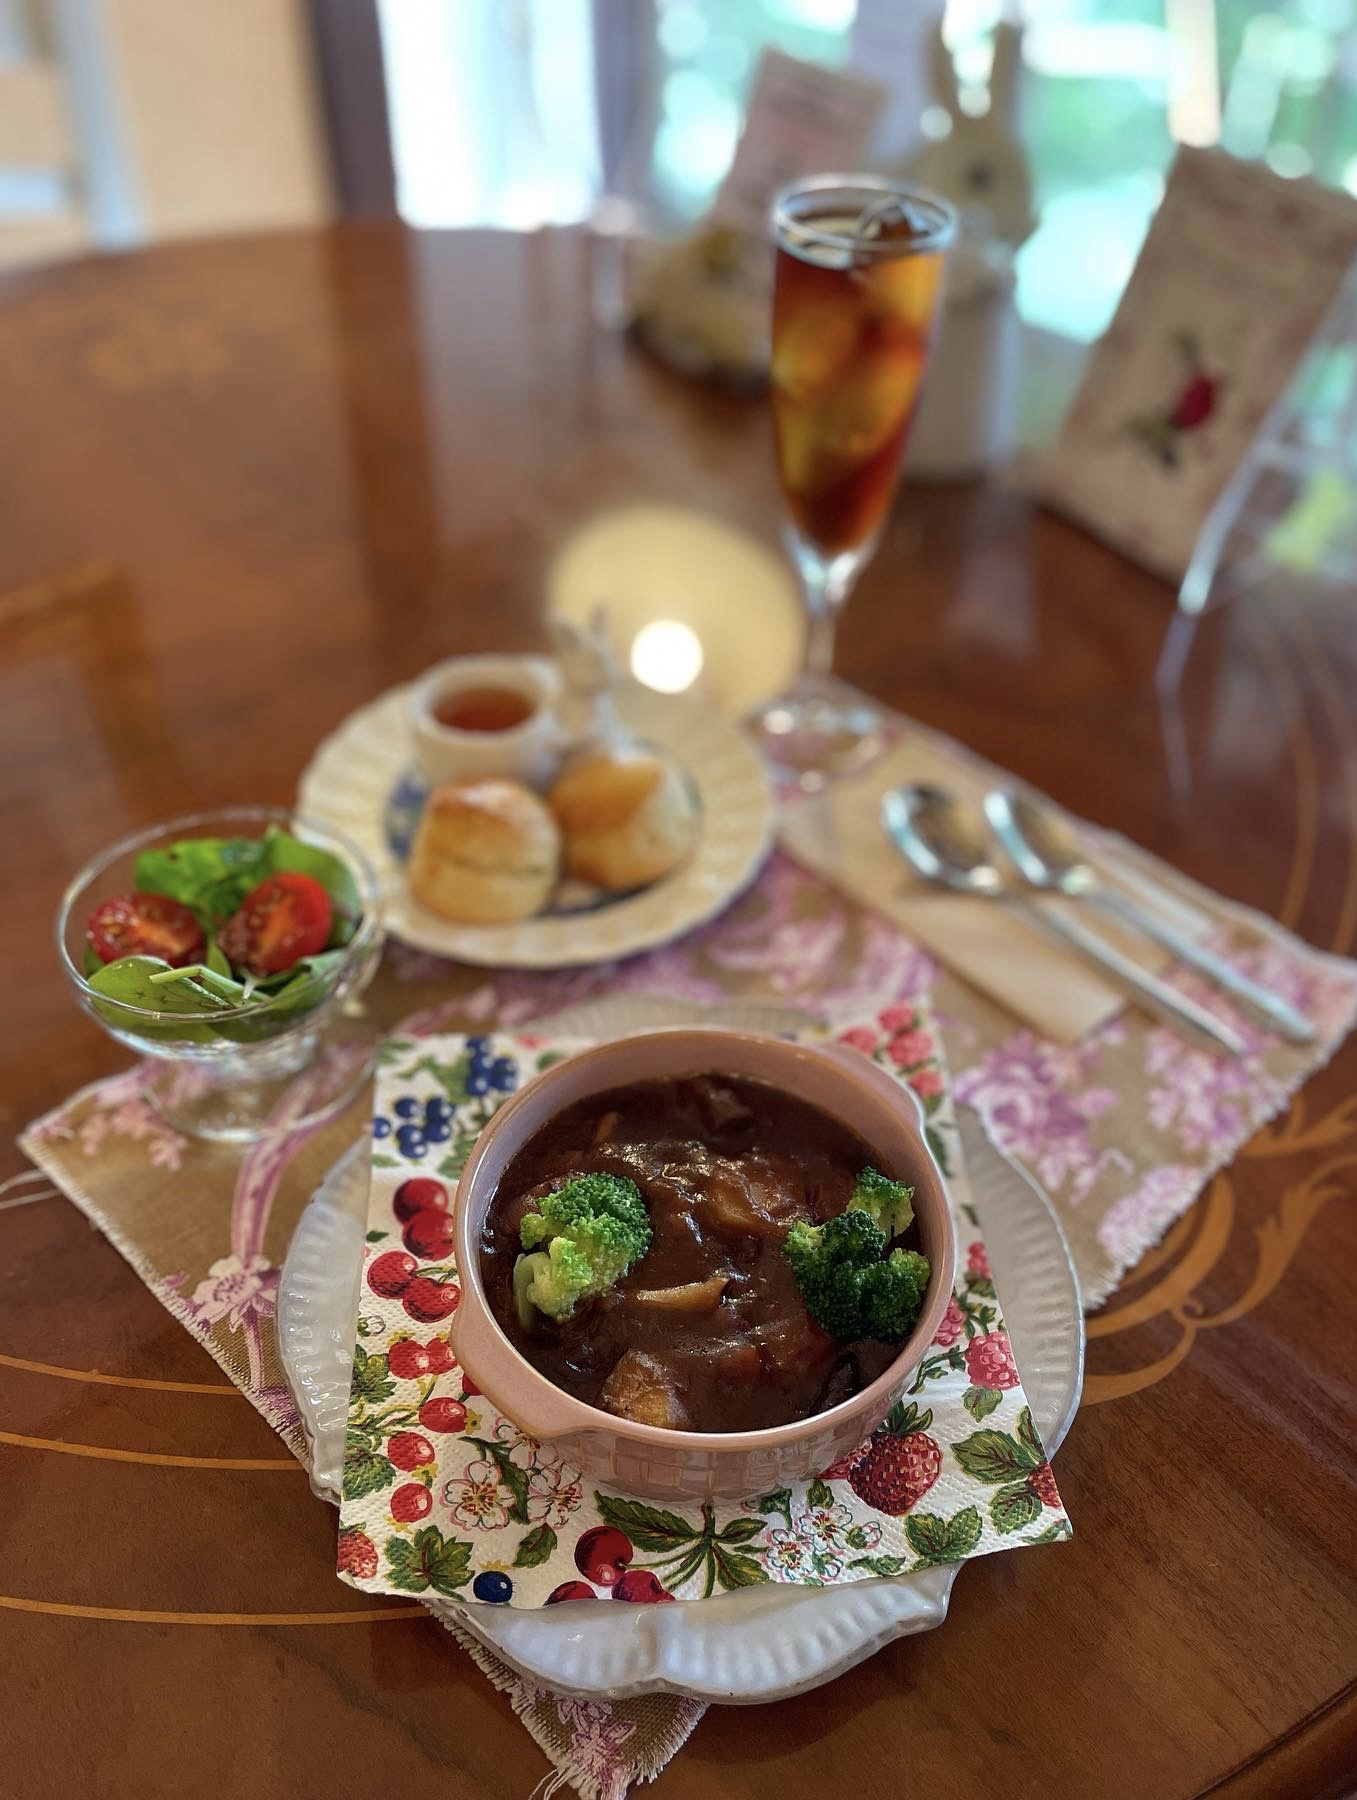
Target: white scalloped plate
x=317, y=1305
x=360, y=774
x=759, y=1644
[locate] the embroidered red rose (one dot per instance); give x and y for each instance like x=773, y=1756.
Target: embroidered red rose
x=927, y=1084
x=861, y=1037
x=1195, y=403
x=977, y=1262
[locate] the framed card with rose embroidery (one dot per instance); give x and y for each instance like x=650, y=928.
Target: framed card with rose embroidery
x=1236, y=275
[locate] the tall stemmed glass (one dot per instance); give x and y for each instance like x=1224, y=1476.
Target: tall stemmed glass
x=859, y=271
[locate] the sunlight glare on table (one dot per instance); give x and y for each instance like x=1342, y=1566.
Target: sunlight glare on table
x=694, y=605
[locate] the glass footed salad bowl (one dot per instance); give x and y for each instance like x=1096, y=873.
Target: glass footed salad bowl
x=231, y=949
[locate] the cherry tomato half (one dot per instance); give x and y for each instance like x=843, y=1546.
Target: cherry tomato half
x=283, y=919
x=145, y=925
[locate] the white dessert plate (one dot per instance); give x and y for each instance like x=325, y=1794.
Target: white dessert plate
x=758, y=1644
x=362, y=778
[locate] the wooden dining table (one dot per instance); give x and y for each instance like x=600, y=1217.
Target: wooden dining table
x=245, y=485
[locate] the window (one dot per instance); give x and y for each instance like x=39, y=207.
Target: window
x=494, y=110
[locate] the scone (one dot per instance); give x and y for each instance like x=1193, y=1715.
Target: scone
x=627, y=817
x=486, y=852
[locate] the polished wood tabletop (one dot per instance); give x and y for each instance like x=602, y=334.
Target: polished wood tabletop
x=246, y=485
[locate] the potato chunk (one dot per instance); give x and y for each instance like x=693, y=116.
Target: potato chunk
x=686, y=1297
x=642, y=1388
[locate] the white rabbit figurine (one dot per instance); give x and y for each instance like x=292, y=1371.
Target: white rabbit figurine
x=966, y=416
x=980, y=166
x=588, y=713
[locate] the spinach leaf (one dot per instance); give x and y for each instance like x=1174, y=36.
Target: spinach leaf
x=286, y=991
x=215, y=958
x=280, y=998
x=128, y=983
x=226, y=988
x=91, y=960
x=210, y=875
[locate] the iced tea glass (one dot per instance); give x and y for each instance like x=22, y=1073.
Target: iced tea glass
x=859, y=271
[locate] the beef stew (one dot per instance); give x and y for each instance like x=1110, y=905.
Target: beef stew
x=707, y=1331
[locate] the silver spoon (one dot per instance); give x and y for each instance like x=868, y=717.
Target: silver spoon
x=946, y=842
x=1047, y=855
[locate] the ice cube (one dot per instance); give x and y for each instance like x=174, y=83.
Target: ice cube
x=813, y=347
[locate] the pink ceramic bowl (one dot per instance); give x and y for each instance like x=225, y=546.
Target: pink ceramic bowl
x=645, y=1459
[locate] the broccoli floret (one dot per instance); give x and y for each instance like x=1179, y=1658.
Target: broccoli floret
x=892, y=1294
x=886, y=1202
x=828, y=1262
x=593, y=1227
x=848, y=1288
x=550, y=1281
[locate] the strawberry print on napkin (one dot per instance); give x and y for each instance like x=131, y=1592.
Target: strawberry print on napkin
x=443, y=1495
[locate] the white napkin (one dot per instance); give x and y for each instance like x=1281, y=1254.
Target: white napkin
x=839, y=834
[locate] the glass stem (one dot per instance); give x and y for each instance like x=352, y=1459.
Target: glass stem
x=826, y=582
x=826, y=589
x=821, y=630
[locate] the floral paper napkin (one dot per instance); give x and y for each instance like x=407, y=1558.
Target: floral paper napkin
x=444, y=1495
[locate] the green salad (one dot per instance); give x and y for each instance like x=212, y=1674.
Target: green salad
x=221, y=924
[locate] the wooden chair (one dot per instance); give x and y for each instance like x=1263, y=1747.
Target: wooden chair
x=41, y=215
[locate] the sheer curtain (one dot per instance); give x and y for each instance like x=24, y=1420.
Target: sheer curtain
x=520, y=113
x=499, y=108
x=493, y=111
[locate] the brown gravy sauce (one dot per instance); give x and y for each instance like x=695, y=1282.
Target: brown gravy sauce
x=725, y=1166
